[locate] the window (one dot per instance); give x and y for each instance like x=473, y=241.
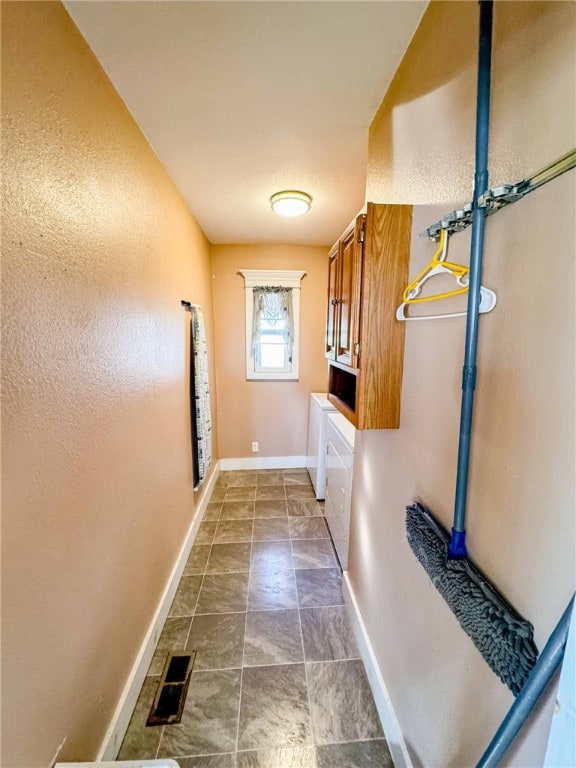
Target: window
x=272, y=323
x=272, y=329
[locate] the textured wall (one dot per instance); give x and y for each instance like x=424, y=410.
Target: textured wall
x=274, y=413
x=421, y=147
x=98, y=248
x=521, y=504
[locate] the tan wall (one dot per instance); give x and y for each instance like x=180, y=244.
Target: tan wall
x=98, y=250
x=274, y=413
x=521, y=502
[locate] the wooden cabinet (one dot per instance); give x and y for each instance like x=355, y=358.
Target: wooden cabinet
x=368, y=270
x=332, y=312
x=345, y=268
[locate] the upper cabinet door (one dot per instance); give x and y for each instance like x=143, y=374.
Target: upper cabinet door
x=368, y=272
x=332, y=308
x=349, y=298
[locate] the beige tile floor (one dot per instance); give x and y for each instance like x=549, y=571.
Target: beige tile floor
x=277, y=679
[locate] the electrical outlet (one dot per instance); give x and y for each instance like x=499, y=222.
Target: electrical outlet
x=254, y=447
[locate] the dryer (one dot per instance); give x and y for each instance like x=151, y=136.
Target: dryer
x=316, y=454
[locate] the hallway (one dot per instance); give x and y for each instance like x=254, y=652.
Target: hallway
x=277, y=680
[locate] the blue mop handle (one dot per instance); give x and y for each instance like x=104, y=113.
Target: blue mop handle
x=547, y=664
x=457, y=545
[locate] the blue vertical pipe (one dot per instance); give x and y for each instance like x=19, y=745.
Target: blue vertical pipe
x=543, y=671
x=457, y=545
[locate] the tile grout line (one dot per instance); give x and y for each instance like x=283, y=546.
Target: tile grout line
x=250, y=574
x=193, y=615
x=201, y=585
x=290, y=747
x=304, y=659
x=159, y=742
x=307, y=683
x=245, y=617
x=278, y=663
x=244, y=641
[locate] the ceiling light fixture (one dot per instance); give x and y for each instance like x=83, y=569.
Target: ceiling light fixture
x=290, y=202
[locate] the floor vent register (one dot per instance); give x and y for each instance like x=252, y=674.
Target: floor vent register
x=168, y=703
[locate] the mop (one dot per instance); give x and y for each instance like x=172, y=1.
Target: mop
x=502, y=636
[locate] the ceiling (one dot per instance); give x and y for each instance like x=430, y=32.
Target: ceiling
x=241, y=99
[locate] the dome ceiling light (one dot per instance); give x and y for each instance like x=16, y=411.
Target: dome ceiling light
x=290, y=202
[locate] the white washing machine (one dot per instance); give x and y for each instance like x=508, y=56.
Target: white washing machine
x=340, y=435
x=320, y=407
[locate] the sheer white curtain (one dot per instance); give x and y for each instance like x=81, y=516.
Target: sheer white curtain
x=273, y=304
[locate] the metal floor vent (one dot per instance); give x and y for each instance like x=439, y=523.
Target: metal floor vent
x=168, y=703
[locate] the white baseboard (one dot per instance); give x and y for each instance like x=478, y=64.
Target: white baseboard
x=117, y=729
x=390, y=724
x=265, y=462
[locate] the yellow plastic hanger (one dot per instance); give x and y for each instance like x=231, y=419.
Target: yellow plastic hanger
x=439, y=266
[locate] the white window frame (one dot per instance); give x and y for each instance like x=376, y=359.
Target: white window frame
x=277, y=278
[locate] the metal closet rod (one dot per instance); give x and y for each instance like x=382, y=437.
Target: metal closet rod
x=499, y=197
